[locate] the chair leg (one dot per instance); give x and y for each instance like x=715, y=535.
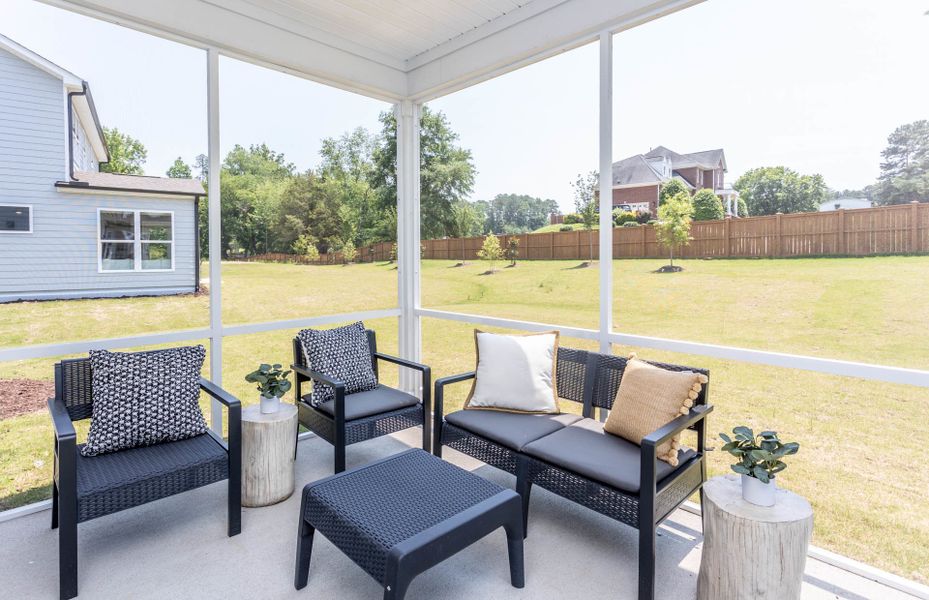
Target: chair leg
x=339, y=457
x=396, y=581
x=235, y=507
x=702, y=512
x=304, y=551
x=67, y=557
x=514, y=546
x=54, y=505
x=647, y=561
x=523, y=488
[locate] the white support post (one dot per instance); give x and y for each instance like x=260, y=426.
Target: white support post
x=408, y=240
x=606, y=190
x=215, y=235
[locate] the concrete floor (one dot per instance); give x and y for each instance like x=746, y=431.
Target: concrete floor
x=177, y=548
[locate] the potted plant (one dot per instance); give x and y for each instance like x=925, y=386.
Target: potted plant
x=759, y=461
x=272, y=384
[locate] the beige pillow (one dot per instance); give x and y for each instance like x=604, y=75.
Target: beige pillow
x=650, y=397
x=515, y=373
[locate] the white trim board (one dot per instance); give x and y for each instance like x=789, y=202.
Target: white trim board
x=777, y=359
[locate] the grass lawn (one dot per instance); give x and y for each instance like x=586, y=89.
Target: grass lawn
x=560, y=226
x=858, y=438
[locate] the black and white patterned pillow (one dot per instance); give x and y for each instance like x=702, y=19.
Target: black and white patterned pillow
x=144, y=398
x=342, y=353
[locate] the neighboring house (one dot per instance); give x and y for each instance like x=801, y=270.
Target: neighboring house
x=837, y=203
x=66, y=229
x=637, y=180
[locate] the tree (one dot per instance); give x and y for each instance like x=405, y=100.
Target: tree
x=446, y=170
x=127, y=154
x=308, y=207
x=512, y=250
x=905, y=170
x=349, y=252
x=179, y=170
x=674, y=218
x=347, y=164
x=516, y=213
x=202, y=164
x=466, y=220
x=707, y=206
x=771, y=190
x=490, y=251
x=671, y=188
x=585, y=202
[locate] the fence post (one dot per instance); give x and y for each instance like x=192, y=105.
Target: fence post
x=779, y=249
x=644, y=229
x=914, y=226
x=726, y=250
x=840, y=232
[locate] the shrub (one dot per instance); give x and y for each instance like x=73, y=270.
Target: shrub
x=652, y=222
x=393, y=252
x=349, y=252
x=305, y=245
x=707, y=206
x=671, y=189
x=623, y=216
x=743, y=208
x=632, y=224
x=490, y=251
x=565, y=228
x=674, y=216
x=642, y=217
x=572, y=219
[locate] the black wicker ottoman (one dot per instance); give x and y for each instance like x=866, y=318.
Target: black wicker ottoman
x=402, y=515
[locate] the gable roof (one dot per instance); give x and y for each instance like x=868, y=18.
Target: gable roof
x=82, y=101
x=89, y=180
x=636, y=170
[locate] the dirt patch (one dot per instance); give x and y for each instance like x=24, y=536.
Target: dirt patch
x=670, y=269
x=22, y=396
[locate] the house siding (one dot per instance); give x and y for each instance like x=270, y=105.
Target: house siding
x=83, y=157
x=637, y=195
x=59, y=257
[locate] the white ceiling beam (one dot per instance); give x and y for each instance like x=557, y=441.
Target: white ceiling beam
x=562, y=26
x=202, y=24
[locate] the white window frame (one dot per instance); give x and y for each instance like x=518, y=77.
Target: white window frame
x=136, y=242
x=31, y=215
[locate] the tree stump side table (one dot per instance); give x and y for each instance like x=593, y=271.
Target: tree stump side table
x=749, y=551
x=268, y=455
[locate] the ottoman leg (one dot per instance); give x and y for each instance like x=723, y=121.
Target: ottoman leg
x=396, y=581
x=304, y=550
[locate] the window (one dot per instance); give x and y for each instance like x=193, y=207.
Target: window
x=15, y=218
x=135, y=240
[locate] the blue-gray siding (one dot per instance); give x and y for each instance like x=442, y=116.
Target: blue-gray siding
x=59, y=259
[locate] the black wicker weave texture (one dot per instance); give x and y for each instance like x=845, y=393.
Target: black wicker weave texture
x=367, y=511
x=365, y=428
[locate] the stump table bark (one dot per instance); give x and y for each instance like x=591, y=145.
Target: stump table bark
x=749, y=551
x=268, y=455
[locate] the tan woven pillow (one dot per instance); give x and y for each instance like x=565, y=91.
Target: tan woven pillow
x=650, y=397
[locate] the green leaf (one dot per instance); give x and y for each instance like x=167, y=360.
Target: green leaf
x=760, y=474
x=264, y=368
x=744, y=432
x=740, y=470
x=725, y=438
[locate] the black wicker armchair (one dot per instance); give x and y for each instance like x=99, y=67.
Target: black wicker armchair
x=85, y=488
x=572, y=457
x=353, y=418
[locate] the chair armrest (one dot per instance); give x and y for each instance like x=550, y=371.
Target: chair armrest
x=218, y=393
x=61, y=421
x=440, y=391
x=669, y=430
x=402, y=362
x=332, y=382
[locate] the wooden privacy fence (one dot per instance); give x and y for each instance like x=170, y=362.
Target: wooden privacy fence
x=901, y=229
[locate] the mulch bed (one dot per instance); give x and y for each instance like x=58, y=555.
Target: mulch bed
x=22, y=396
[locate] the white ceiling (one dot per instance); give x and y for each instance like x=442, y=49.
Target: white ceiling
x=388, y=49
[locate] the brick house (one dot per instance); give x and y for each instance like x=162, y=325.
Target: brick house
x=637, y=180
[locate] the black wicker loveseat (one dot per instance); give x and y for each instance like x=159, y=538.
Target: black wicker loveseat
x=571, y=456
x=351, y=418
x=85, y=488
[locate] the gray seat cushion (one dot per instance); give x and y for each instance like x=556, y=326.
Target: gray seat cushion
x=512, y=430
x=586, y=449
x=381, y=399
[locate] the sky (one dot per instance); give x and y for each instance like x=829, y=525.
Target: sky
x=816, y=86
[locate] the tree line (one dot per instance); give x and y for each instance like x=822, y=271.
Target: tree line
x=349, y=199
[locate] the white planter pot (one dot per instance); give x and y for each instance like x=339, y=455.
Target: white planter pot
x=756, y=492
x=270, y=405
